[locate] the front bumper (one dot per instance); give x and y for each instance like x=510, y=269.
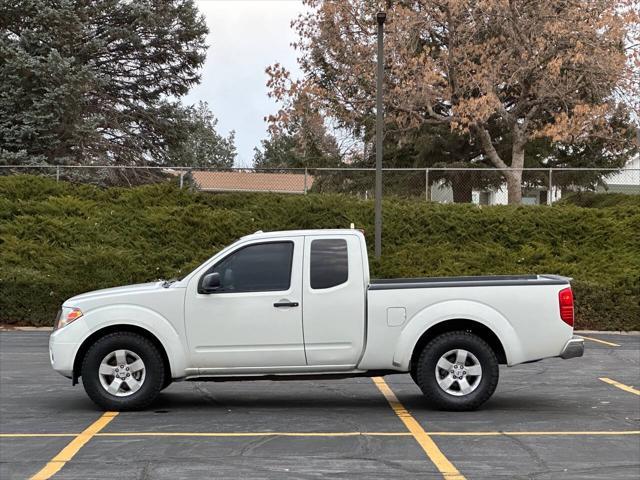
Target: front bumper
x=573, y=348
x=61, y=356
x=63, y=346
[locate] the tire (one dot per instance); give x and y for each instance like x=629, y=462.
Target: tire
x=432, y=378
x=137, y=384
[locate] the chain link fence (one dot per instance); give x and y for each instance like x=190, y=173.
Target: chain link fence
x=485, y=186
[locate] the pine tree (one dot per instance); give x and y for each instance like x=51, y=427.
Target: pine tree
x=202, y=145
x=96, y=81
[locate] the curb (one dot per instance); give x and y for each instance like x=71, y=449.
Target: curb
x=609, y=332
x=10, y=328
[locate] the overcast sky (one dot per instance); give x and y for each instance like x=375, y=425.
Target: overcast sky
x=244, y=37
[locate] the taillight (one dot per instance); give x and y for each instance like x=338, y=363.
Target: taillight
x=565, y=297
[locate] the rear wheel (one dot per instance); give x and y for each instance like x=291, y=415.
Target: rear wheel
x=123, y=371
x=457, y=371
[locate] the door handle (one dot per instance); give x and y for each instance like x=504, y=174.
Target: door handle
x=285, y=304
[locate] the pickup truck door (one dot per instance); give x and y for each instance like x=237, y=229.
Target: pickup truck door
x=255, y=318
x=334, y=300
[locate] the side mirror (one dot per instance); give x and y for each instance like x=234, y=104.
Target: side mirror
x=210, y=283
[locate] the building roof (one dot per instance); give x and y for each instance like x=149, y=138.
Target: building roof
x=246, y=181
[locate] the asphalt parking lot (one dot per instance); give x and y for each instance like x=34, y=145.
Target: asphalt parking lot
x=547, y=420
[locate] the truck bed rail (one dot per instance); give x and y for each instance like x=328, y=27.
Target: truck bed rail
x=470, y=281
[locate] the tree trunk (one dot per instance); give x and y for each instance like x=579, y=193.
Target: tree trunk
x=514, y=177
x=514, y=187
x=513, y=173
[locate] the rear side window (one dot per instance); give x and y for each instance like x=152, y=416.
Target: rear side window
x=329, y=263
x=257, y=268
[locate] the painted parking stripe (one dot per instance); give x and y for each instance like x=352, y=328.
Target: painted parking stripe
x=524, y=434
x=597, y=340
x=442, y=463
x=256, y=434
x=621, y=386
x=36, y=435
x=329, y=434
x=68, y=452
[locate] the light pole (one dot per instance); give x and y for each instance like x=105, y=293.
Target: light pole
x=380, y=17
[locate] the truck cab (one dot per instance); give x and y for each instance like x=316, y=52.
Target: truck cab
x=279, y=302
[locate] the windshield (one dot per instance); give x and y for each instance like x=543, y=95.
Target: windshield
x=168, y=283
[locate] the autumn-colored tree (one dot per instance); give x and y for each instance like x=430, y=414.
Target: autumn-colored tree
x=508, y=72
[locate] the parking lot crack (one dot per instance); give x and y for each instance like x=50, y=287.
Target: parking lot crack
x=248, y=448
x=206, y=394
x=530, y=451
x=553, y=473
x=144, y=474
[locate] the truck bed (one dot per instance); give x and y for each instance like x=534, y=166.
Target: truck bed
x=521, y=310
x=470, y=281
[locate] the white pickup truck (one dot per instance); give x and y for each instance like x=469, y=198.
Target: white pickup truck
x=299, y=304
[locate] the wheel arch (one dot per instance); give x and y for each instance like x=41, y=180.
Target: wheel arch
x=91, y=339
x=458, y=314
x=459, y=324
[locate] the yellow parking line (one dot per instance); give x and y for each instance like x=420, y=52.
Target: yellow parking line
x=356, y=434
x=253, y=434
x=611, y=344
x=444, y=466
x=324, y=434
x=37, y=435
x=68, y=452
x=621, y=386
x=496, y=434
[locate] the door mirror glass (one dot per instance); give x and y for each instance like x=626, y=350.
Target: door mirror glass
x=210, y=283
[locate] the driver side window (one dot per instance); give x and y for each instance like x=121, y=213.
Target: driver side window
x=260, y=267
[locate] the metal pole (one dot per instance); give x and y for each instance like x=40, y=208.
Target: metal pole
x=380, y=17
x=181, y=179
x=305, y=180
x=549, y=193
x=58, y=173
x=426, y=184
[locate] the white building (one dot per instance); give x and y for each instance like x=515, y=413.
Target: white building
x=626, y=180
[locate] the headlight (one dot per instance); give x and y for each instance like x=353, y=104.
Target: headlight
x=68, y=315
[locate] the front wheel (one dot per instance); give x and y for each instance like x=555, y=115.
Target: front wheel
x=457, y=371
x=123, y=371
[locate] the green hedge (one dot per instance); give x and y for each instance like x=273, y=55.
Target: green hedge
x=59, y=239
x=600, y=200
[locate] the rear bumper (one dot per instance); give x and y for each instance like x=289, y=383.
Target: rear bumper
x=573, y=348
